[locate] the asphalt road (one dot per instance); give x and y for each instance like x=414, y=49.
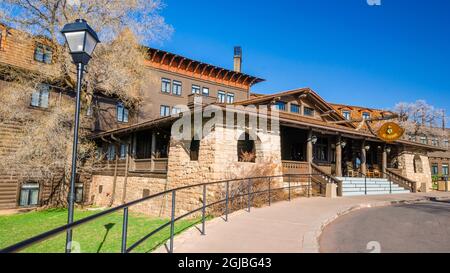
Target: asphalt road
x=421, y=227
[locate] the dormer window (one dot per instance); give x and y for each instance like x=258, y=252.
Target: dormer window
x=366, y=115
x=347, y=115
x=43, y=53
x=295, y=108
x=280, y=106
x=307, y=111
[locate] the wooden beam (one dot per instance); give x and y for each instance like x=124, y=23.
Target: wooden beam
x=173, y=58
x=181, y=62
x=154, y=55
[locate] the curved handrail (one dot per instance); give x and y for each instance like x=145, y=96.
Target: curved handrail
x=51, y=233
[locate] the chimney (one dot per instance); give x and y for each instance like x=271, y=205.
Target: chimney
x=238, y=59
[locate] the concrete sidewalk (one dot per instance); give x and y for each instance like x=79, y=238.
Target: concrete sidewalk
x=285, y=227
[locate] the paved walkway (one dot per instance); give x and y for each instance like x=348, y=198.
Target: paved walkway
x=285, y=227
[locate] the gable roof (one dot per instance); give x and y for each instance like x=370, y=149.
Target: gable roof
x=326, y=107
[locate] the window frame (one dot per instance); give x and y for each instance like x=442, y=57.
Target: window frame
x=295, y=106
x=41, y=90
x=206, y=94
x=366, y=115
x=221, y=96
x=306, y=108
x=230, y=98
x=166, y=86
x=197, y=89
x=79, y=199
x=165, y=107
x=177, y=88
x=122, y=116
x=29, y=187
x=281, y=106
x=347, y=114
x=46, y=53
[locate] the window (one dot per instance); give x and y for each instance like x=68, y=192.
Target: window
x=205, y=91
x=165, y=85
x=347, y=115
x=295, y=108
x=445, y=143
x=445, y=170
x=321, y=149
x=29, y=195
x=435, y=142
x=122, y=113
x=221, y=97
x=412, y=138
x=111, y=153
x=195, y=89
x=176, y=110
x=246, y=149
x=165, y=111
x=79, y=192
x=424, y=140
x=177, y=88
x=39, y=98
x=280, y=106
x=366, y=115
x=43, y=53
x=123, y=151
x=194, y=149
x=434, y=169
x=307, y=111
x=230, y=98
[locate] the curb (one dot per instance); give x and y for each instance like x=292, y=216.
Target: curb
x=310, y=242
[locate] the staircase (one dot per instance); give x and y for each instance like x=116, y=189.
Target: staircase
x=355, y=186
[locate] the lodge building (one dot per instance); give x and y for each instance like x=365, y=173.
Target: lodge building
x=140, y=157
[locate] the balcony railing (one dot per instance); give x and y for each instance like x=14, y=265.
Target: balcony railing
x=158, y=165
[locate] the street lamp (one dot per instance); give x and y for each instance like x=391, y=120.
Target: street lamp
x=81, y=39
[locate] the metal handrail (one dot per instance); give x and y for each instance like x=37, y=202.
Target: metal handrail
x=51, y=233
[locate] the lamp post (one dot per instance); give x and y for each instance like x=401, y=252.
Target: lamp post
x=81, y=39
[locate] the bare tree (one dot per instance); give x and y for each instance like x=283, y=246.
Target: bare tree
x=117, y=69
x=421, y=118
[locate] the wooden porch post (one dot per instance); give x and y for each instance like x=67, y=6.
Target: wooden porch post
x=153, y=151
x=363, y=157
x=384, y=162
x=125, y=180
x=338, y=157
x=309, y=147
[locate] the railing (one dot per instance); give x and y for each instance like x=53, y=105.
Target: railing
x=149, y=165
x=402, y=181
x=295, y=167
x=249, y=194
x=317, y=171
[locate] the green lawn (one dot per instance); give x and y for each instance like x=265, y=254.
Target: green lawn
x=100, y=236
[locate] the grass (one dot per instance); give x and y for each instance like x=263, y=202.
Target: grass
x=99, y=236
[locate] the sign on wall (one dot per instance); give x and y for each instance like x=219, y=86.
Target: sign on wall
x=390, y=132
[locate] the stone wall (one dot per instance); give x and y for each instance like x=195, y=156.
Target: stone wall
x=101, y=189
x=406, y=165
x=218, y=161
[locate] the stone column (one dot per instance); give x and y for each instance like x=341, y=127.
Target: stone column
x=384, y=162
x=309, y=147
x=338, y=157
x=363, y=157
x=153, y=151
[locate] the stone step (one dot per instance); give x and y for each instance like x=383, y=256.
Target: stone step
x=344, y=179
x=371, y=189
x=373, y=193
x=350, y=186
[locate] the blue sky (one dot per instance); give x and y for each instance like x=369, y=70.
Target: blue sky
x=347, y=51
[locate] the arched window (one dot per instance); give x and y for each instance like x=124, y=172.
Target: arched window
x=418, y=164
x=246, y=149
x=29, y=195
x=194, y=149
